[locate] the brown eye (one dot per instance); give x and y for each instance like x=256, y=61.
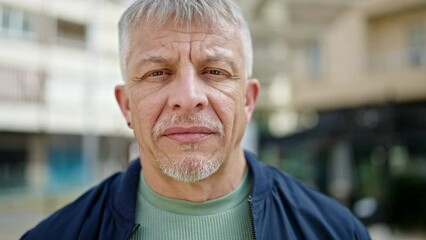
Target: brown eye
x=215, y=72
x=157, y=76
x=157, y=73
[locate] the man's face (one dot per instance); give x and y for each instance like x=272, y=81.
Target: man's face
x=187, y=97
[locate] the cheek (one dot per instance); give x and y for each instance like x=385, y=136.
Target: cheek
x=146, y=107
x=230, y=109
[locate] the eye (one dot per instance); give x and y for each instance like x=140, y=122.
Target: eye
x=156, y=73
x=215, y=72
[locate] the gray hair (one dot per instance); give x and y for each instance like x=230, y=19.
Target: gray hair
x=207, y=12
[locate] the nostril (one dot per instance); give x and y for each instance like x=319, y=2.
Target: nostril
x=200, y=106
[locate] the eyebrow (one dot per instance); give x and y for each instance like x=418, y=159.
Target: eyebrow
x=208, y=58
x=152, y=59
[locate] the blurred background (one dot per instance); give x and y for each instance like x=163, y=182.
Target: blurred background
x=342, y=106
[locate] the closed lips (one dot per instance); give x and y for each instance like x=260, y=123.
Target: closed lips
x=187, y=134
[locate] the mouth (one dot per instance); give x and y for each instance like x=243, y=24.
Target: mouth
x=184, y=134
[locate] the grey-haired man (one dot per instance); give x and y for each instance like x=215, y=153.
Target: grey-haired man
x=188, y=95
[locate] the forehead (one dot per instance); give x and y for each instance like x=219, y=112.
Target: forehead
x=224, y=38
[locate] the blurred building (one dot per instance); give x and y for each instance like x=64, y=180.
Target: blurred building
x=60, y=127
x=365, y=53
x=358, y=87
x=268, y=21
x=59, y=123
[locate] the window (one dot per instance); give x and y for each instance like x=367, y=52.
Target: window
x=13, y=161
x=314, y=59
x=417, y=46
x=71, y=34
x=12, y=168
x=65, y=168
x=16, y=23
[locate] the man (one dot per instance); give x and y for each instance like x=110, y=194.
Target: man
x=188, y=96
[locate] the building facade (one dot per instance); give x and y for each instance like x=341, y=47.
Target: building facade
x=358, y=85
x=60, y=127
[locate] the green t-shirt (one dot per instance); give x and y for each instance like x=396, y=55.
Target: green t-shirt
x=227, y=217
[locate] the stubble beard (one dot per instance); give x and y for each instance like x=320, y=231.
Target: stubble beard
x=190, y=165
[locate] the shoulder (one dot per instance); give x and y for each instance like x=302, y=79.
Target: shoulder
x=305, y=199
x=314, y=208
x=297, y=210
x=71, y=219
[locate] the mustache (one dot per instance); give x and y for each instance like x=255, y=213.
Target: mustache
x=194, y=119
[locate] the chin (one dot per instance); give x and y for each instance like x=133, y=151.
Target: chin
x=191, y=166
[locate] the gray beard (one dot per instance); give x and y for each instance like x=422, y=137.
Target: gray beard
x=193, y=168
x=190, y=169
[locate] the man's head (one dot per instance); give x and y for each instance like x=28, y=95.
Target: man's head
x=183, y=12
x=187, y=90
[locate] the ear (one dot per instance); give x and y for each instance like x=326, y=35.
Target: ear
x=123, y=101
x=252, y=91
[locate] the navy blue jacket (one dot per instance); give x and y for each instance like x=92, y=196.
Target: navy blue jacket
x=281, y=207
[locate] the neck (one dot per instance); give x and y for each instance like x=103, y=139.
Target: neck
x=222, y=182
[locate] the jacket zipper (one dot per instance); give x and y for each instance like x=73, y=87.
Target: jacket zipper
x=250, y=202
x=135, y=228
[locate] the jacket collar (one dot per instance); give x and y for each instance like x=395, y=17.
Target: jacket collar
x=261, y=180
x=125, y=194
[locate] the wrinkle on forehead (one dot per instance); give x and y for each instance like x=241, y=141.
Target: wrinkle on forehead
x=210, y=44
x=209, y=52
x=218, y=43
x=217, y=50
x=184, y=36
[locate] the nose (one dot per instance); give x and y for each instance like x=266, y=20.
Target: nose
x=188, y=93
